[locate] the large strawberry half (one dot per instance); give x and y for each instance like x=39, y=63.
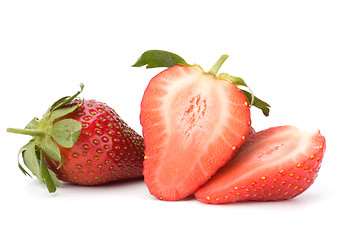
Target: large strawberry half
x=83, y=142
x=193, y=123
x=274, y=164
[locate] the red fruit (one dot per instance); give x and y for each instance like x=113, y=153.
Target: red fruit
x=107, y=149
x=82, y=142
x=275, y=164
x=193, y=123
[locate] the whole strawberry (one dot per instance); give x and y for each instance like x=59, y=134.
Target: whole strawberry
x=83, y=142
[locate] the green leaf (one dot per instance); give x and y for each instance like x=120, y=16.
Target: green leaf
x=33, y=124
x=46, y=177
x=23, y=170
x=61, y=112
x=31, y=160
x=51, y=149
x=55, y=180
x=63, y=101
x=21, y=151
x=237, y=81
x=66, y=132
x=159, y=58
x=258, y=103
x=58, y=102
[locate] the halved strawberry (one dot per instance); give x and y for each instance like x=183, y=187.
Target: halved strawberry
x=193, y=122
x=274, y=164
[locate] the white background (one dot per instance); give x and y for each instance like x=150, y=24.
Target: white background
x=285, y=50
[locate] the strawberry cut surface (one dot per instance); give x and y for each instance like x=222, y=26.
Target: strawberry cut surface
x=274, y=164
x=193, y=123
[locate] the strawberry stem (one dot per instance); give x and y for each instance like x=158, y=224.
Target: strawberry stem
x=31, y=132
x=214, y=70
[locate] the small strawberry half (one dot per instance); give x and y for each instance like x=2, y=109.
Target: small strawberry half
x=193, y=123
x=83, y=142
x=274, y=164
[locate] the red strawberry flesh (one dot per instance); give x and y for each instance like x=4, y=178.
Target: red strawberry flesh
x=275, y=164
x=192, y=124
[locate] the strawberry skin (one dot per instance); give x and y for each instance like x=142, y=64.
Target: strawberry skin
x=274, y=164
x=107, y=148
x=193, y=123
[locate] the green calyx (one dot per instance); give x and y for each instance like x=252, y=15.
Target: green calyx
x=46, y=133
x=159, y=58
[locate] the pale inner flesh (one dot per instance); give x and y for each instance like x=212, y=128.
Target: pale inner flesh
x=195, y=111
